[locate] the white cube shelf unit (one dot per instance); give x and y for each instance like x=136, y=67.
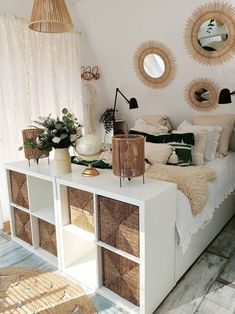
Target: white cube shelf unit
x=108, y=237
x=32, y=208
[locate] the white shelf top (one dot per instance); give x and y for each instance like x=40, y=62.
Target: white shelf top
x=47, y=214
x=80, y=232
x=42, y=170
x=107, y=184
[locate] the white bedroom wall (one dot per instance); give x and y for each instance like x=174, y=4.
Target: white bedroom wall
x=111, y=32
x=114, y=29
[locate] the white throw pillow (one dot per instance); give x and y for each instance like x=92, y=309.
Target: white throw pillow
x=157, y=153
x=154, y=129
x=212, y=137
x=199, y=146
x=226, y=121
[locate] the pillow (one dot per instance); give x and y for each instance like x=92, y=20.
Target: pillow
x=212, y=137
x=157, y=153
x=161, y=119
x=187, y=138
x=142, y=126
x=199, y=147
x=224, y=121
x=183, y=151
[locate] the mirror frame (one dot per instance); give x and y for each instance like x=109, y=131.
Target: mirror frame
x=208, y=84
x=221, y=11
x=158, y=48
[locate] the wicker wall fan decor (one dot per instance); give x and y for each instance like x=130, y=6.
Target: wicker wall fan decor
x=202, y=94
x=50, y=16
x=215, y=21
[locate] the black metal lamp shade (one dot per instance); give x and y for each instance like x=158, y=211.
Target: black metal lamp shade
x=133, y=104
x=225, y=96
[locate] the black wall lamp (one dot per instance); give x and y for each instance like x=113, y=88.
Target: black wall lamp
x=225, y=96
x=132, y=102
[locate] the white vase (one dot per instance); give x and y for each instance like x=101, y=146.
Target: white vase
x=62, y=161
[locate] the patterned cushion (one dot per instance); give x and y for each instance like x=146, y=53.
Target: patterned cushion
x=184, y=153
x=199, y=147
x=212, y=137
x=155, y=129
x=187, y=138
x=158, y=118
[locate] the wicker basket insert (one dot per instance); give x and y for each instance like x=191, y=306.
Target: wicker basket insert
x=121, y=276
x=19, y=189
x=119, y=224
x=81, y=209
x=22, y=225
x=47, y=237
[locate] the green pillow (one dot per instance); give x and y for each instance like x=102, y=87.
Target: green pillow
x=187, y=138
x=184, y=153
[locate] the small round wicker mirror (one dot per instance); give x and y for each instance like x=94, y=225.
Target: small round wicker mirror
x=210, y=33
x=202, y=94
x=154, y=64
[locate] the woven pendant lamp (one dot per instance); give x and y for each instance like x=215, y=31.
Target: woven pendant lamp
x=50, y=16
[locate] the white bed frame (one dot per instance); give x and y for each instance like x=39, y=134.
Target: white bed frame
x=203, y=238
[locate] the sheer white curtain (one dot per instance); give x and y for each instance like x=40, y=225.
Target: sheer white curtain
x=39, y=74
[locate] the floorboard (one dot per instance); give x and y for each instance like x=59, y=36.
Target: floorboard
x=189, y=292
x=220, y=299
x=207, y=288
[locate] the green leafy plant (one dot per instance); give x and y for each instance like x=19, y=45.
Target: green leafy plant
x=107, y=120
x=57, y=133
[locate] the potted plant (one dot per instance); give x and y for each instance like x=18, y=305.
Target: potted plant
x=59, y=134
x=107, y=121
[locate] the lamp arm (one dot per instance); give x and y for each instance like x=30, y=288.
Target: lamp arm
x=127, y=100
x=115, y=103
x=232, y=93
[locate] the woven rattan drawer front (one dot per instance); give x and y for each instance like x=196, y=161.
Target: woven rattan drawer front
x=47, y=237
x=81, y=209
x=19, y=189
x=121, y=276
x=119, y=225
x=22, y=225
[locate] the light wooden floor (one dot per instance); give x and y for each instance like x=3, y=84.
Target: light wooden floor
x=207, y=288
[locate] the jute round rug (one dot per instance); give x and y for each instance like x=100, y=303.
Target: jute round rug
x=24, y=290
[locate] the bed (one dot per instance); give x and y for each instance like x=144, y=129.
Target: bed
x=195, y=232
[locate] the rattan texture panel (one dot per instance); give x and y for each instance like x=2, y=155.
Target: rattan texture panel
x=22, y=225
x=19, y=189
x=119, y=224
x=47, y=237
x=121, y=276
x=81, y=209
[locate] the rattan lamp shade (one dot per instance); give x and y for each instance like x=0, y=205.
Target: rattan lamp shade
x=128, y=156
x=50, y=16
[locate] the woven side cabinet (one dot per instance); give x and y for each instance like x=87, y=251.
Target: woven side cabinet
x=32, y=208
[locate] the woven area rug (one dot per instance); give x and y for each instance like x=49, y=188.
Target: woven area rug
x=24, y=290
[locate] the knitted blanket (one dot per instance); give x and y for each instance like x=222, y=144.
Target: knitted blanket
x=192, y=181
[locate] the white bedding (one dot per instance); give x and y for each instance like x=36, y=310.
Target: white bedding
x=186, y=223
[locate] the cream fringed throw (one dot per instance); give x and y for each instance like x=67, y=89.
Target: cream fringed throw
x=192, y=181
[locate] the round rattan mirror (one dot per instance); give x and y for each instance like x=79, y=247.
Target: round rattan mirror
x=210, y=33
x=202, y=94
x=154, y=64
